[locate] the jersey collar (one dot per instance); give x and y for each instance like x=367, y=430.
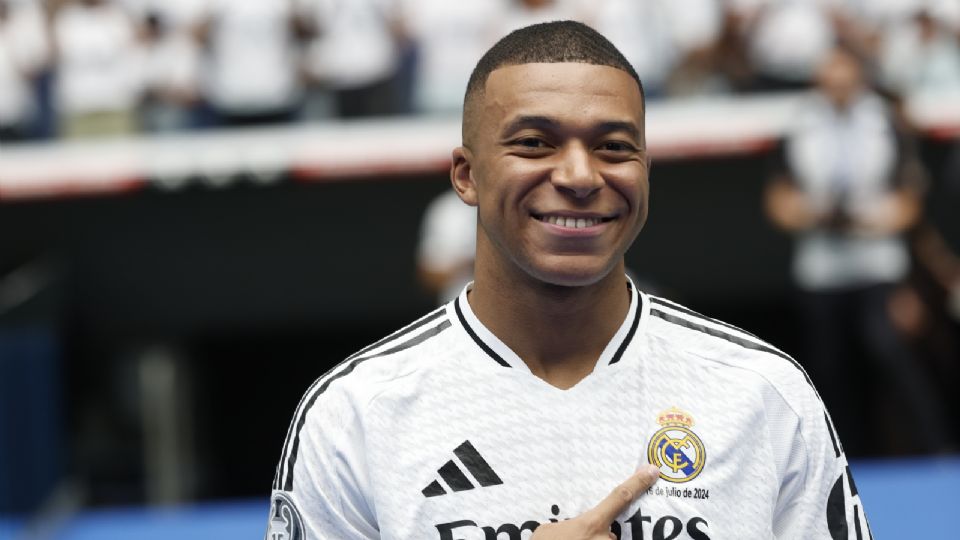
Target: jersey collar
x=460, y=312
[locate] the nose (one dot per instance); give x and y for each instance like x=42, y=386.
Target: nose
x=576, y=172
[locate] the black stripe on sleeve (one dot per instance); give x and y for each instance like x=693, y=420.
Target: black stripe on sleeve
x=856, y=522
x=426, y=319
x=477, y=466
x=683, y=309
x=833, y=436
x=745, y=343
x=486, y=348
x=853, y=487
x=416, y=340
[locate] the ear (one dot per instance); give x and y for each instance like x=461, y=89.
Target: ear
x=461, y=175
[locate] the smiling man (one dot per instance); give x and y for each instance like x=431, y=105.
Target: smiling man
x=548, y=397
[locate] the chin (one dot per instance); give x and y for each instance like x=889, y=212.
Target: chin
x=571, y=273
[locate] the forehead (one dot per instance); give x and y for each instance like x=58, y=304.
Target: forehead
x=576, y=90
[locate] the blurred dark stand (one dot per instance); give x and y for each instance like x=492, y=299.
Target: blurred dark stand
x=203, y=314
x=32, y=450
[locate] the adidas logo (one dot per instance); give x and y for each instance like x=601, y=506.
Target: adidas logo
x=454, y=477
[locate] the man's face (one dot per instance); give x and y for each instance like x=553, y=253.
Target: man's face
x=840, y=78
x=556, y=163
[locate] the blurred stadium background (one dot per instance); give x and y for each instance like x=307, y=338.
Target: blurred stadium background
x=205, y=204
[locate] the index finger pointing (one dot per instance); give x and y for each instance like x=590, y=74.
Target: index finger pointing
x=620, y=498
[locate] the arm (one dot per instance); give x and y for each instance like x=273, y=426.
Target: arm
x=786, y=205
x=902, y=207
x=321, y=489
x=817, y=496
x=934, y=253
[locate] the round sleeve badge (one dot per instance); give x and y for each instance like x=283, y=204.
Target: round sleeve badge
x=675, y=449
x=285, y=521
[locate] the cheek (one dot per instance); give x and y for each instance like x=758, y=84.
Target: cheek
x=633, y=190
x=510, y=181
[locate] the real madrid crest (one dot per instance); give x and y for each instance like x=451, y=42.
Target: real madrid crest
x=675, y=448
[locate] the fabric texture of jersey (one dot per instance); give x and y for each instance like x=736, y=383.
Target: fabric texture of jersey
x=440, y=431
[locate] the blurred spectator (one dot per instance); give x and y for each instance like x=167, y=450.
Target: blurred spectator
x=713, y=55
x=447, y=246
x=353, y=54
x=171, y=71
x=24, y=51
x=520, y=13
x=846, y=201
x=98, y=60
x=726, y=65
x=250, y=62
x=177, y=15
x=788, y=40
x=171, y=62
x=642, y=31
x=449, y=38
x=921, y=54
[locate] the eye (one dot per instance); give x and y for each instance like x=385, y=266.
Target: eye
x=616, y=146
x=530, y=142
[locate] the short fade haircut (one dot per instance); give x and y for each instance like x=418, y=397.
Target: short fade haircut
x=548, y=43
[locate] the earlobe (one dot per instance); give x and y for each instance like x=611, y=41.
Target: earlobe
x=461, y=175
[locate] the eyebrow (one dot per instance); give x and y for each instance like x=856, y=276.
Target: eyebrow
x=549, y=124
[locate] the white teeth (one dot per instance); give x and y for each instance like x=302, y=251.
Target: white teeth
x=571, y=223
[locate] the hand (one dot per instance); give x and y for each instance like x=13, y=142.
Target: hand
x=790, y=208
x=594, y=524
x=888, y=215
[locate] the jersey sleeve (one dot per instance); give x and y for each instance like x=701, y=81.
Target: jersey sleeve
x=321, y=489
x=817, y=498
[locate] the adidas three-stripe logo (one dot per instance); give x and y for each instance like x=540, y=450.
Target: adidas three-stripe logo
x=455, y=478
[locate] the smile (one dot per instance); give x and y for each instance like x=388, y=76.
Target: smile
x=572, y=222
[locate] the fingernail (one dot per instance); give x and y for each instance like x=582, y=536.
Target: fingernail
x=652, y=472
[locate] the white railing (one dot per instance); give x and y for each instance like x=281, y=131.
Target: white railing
x=329, y=151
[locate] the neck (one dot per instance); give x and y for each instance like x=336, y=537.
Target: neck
x=559, y=332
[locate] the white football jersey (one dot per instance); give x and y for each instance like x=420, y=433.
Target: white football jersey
x=440, y=431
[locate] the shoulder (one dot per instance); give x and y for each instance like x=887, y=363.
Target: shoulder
x=811, y=110
x=334, y=403
x=758, y=367
x=724, y=346
x=387, y=360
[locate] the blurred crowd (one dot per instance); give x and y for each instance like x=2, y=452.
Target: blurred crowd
x=77, y=68
x=876, y=279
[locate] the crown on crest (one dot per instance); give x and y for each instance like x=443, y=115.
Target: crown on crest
x=675, y=417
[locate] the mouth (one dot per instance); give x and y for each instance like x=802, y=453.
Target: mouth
x=572, y=222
